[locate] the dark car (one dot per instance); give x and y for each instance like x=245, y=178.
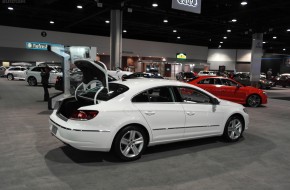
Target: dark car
x=282, y=80
x=75, y=80
x=244, y=78
x=185, y=76
x=142, y=75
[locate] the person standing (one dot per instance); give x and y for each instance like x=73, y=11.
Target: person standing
x=44, y=81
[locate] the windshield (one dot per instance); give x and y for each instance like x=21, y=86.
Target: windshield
x=115, y=90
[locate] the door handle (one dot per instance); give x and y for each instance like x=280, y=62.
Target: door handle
x=190, y=113
x=149, y=113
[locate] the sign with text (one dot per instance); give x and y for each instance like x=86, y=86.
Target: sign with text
x=37, y=45
x=181, y=56
x=193, y=6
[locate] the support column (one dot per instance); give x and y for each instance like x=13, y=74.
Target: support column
x=116, y=39
x=257, y=53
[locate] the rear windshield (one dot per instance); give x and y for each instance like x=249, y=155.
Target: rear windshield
x=115, y=90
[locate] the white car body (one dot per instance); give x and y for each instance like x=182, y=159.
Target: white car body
x=15, y=72
x=163, y=121
x=33, y=76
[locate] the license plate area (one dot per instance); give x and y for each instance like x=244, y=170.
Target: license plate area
x=54, y=130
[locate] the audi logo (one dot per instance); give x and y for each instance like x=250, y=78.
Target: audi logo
x=192, y=3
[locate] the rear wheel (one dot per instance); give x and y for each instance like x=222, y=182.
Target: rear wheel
x=254, y=100
x=10, y=77
x=130, y=143
x=32, y=81
x=234, y=129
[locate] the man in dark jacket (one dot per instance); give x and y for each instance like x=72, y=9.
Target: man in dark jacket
x=44, y=81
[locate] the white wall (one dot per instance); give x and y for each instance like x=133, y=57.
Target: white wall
x=222, y=57
x=228, y=58
x=244, y=55
x=15, y=37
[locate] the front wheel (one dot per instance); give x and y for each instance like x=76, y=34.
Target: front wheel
x=10, y=77
x=254, y=100
x=234, y=129
x=130, y=143
x=32, y=81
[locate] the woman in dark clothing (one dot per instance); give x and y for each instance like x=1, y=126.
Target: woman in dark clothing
x=44, y=81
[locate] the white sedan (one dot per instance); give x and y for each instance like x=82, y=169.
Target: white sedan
x=127, y=116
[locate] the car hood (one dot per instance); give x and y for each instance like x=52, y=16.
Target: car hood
x=93, y=71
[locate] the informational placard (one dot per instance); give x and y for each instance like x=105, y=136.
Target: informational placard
x=181, y=56
x=193, y=6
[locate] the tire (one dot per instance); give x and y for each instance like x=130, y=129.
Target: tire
x=234, y=129
x=254, y=100
x=32, y=81
x=130, y=143
x=10, y=77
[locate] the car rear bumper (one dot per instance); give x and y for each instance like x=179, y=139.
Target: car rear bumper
x=93, y=140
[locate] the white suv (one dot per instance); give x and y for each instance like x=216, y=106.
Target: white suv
x=15, y=73
x=33, y=76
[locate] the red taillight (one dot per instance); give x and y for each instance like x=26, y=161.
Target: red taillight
x=84, y=115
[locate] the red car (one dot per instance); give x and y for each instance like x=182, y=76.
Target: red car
x=231, y=90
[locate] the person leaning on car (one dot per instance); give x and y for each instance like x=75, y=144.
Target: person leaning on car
x=44, y=81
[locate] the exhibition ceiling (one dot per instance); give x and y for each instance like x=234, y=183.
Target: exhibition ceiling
x=222, y=23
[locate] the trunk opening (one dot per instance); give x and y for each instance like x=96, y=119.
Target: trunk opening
x=69, y=105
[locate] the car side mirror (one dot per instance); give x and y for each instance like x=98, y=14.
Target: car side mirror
x=215, y=101
x=238, y=86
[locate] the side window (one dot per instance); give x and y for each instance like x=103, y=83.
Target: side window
x=160, y=94
x=16, y=69
x=23, y=69
x=228, y=82
x=217, y=81
x=193, y=95
x=142, y=97
x=207, y=81
x=36, y=69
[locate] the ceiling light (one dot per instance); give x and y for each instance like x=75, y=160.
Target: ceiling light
x=124, y=31
x=107, y=21
x=225, y=37
x=51, y=22
x=99, y=4
x=154, y=4
x=264, y=42
x=229, y=30
x=79, y=7
x=274, y=37
x=178, y=37
x=284, y=49
x=234, y=20
x=288, y=30
x=220, y=46
x=174, y=31
x=10, y=8
x=244, y=3
x=165, y=20
x=221, y=42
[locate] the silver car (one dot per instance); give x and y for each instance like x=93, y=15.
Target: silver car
x=16, y=72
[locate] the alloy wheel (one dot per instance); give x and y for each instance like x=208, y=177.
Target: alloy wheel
x=131, y=144
x=254, y=101
x=235, y=129
x=32, y=81
x=10, y=77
